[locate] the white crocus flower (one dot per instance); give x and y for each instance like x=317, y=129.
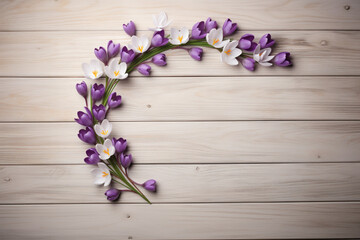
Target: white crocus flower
x=178, y=37
x=215, y=38
x=230, y=53
x=262, y=56
x=115, y=70
x=139, y=44
x=105, y=150
x=101, y=174
x=160, y=21
x=94, y=70
x=104, y=129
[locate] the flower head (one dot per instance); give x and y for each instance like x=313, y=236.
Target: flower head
x=81, y=88
x=160, y=21
x=266, y=41
x=198, y=30
x=144, y=69
x=196, y=53
x=230, y=53
x=215, y=38
x=94, y=70
x=112, y=194
x=179, y=36
x=130, y=28
x=229, y=27
x=127, y=55
x=92, y=156
x=99, y=112
x=116, y=70
x=282, y=59
x=105, y=150
x=248, y=63
x=159, y=59
x=139, y=45
x=104, y=129
x=210, y=24
x=97, y=91
x=101, y=54
x=113, y=49
x=246, y=42
x=150, y=185
x=114, y=100
x=125, y=160
x=119, y=144
x=262, y=56
x=159, y=39
x=84, y=119
x=101, y=174
x=87, y=135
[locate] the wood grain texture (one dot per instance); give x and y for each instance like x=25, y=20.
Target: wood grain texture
x=61, y=54
x=189, y=142
x=110, y=14
x=179, y=221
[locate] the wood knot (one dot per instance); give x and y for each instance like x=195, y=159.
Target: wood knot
x=130, y=237
x=347, y=7
x=128, y=216
x=148, y=106
x=323, y=43
x=197, y=168
x=7, y=179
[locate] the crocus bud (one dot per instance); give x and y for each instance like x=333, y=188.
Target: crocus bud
x=210, y=24
x=87, y=135
x=99, y=112
x=159, y=39
x=97, y=91
x=248, y=63
x=112, y=194
x=113, y=49
x=92, y=156
x=266, y=41
x=119, y=144
x=125, y=160
x=84, y=119
x=114, y=100
x=81, y=88
x=127, y=55
x=196, y=53
x=198, y=30
x=246, y=42
x=229, y=27
x=150, y=185
x=144, y=69
x=130, y=28
x=101, y=54
x=159, y=59
x=282, y=59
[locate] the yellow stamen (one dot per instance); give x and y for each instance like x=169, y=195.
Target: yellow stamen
x=215, y=41
x=95, y=73
x=116, y=73
x=140, y=48
x=107, y=151
x=228, y=52
x=104, y=174
x=104, y=132
x=180, y=38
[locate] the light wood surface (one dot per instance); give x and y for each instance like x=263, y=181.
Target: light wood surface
x=270, y=154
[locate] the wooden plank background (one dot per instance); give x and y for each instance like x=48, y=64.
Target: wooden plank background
x=270, y=154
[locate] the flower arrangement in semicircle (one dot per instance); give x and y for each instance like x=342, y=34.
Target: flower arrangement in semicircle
x=116, y=63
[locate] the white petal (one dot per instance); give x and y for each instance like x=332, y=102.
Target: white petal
x=269, y=58
x=265, y=64
x=257, y=49
x=235, y=52
x=122, y=68
x=98, y=129
x=173, y=33
x=123, y=76
x=107, y=143
x=107, y=180
x=111, y=150
x=86, y=69
x=103, y=167
x=207, y=39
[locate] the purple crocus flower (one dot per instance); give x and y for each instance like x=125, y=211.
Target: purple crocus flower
x=229, y=27
x=159, y=39
x=84, y=119
x=99, y=112
x=81, y=88
x=196, y=53
x=144, y=69
x=114, y=100
x=125, y=160
x=87, y=135
x=210, y=24
x=97, y=91
x=282, y=59
x=127, y=55
x=119, y=144
x=159, y=59
x=113, y=49
x=101, y=54
x=92, y=156
x=130, y=28
x=150, y=185
x=198, y=30
x=266, y=41
x=246, y=42
x=112, y=194
x=248, y=63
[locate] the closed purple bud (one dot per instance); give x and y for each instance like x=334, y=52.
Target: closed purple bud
x=119, y=144
x=246, y=42
x=125, y=160
x=266, y=41
x=282, y=59
x=150, y=185
x=196, y=53
x=159, y=59
x=87, y=135
x=248, y=63
x=198, y=30
x=112, y=194
x=144, y=69
x=210, y=24
x=81, y=88
x=114, y=100
x=99, y=112
x=113, y=49
x=101, y=54
x=127, y=55
x=92, y=156
x=130, y=28
x=229, y=27
x=84, y=119
x=159, y=39
x=97, y=91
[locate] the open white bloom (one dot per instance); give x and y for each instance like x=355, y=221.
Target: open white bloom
x=115, y=70
x=104, y=129
x=262, y=56
x=215, y=38
x=105, y=150
x=178, y=37
x=94, y=70
x=160, y=21
x=139, y=44
x=230, y=53
x=101, y=174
